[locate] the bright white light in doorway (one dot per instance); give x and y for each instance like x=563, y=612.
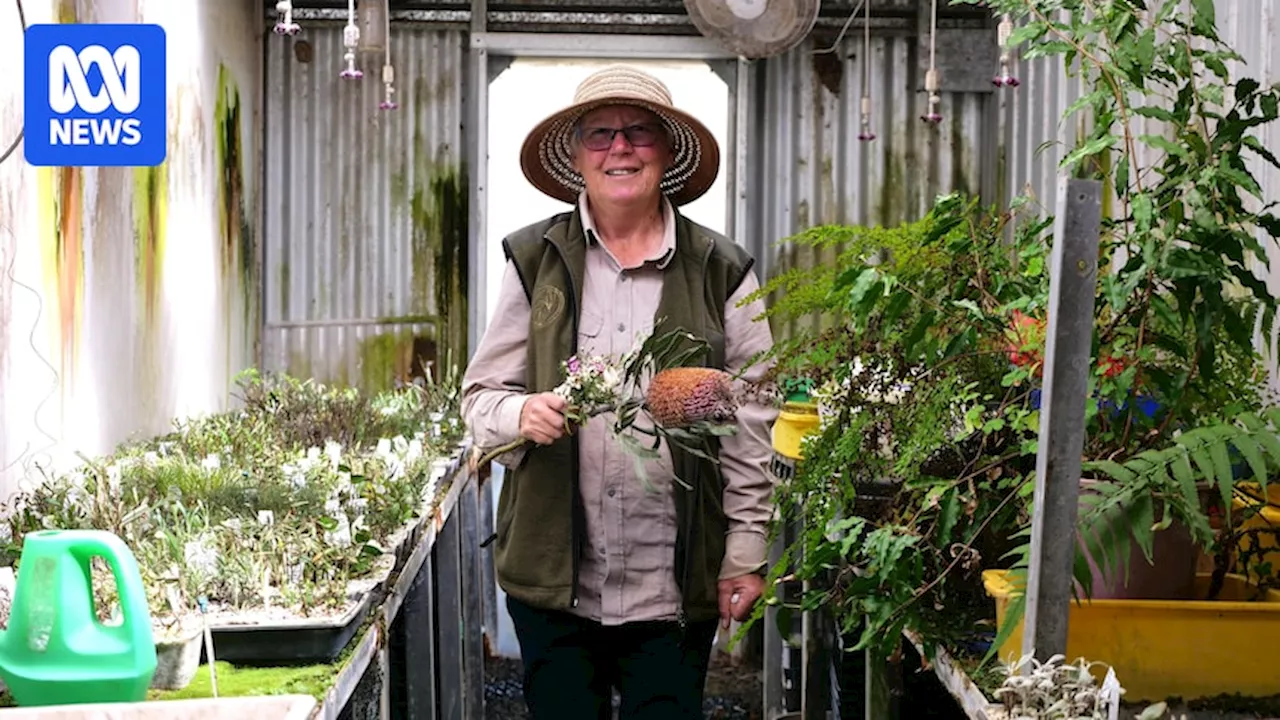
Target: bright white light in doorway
x=747, y=9
x=531, y=89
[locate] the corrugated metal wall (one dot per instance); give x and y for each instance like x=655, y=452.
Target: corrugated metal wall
x=809, y=168
x=366, y=209
x=1036, y=138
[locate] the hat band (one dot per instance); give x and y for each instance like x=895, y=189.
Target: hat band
x=557, y=155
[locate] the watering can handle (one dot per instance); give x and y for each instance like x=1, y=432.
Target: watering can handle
x=128, y=585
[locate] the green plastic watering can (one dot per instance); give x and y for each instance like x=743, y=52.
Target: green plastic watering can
x=55, y=650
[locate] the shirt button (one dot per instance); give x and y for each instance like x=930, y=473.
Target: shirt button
x=622, y=327
x=612, y=492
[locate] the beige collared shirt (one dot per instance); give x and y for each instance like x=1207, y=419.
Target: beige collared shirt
x=627, y=570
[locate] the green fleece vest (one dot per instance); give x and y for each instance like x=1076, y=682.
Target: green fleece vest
x=540, y=526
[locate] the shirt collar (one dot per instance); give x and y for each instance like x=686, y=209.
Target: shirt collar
x=665, y=252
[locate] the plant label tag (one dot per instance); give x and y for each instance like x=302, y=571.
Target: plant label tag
x=1110, y=693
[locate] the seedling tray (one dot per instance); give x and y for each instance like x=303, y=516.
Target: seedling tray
x=289, y=642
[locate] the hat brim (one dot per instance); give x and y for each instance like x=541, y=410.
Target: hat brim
x=547, y=154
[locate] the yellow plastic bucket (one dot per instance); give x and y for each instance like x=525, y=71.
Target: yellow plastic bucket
x=1266, y=520
x=795, y=421
x=1169, y=648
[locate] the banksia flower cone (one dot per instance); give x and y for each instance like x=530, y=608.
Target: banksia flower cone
x=679, y=397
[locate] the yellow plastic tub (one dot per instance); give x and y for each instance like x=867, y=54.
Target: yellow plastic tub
x=1267, y=519
x=1170, y=648
x=795, y=421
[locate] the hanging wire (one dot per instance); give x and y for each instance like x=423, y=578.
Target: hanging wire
x=866, y=134
x=285, y=25
x=388, y=72
x=351, y=40
x=931, y=82
x=848, y=21
x=27, y=455
x=1003, y=33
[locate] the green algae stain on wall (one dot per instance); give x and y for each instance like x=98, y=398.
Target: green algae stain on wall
x=440, y=216
x=393, y=355
x=235, y=231
x=150, y=220
x=66, y=12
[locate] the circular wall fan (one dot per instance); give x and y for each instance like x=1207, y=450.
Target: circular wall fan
x=754, y=28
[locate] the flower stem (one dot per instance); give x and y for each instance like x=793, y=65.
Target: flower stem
x=501, y=450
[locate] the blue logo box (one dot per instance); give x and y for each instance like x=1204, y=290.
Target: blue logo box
x=94, y=95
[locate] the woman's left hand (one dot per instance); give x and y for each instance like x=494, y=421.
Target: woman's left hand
x=738, y=596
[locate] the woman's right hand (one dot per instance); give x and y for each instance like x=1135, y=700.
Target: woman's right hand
x=542, y=418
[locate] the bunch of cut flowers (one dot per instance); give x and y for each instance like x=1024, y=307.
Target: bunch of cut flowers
x=685, y=406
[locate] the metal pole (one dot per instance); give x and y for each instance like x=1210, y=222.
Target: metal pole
x=1072, y=283
x=477, y=134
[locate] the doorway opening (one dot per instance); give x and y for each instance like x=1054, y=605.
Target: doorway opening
x=529, y=90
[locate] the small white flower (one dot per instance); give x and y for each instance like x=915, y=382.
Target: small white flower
x=151, y=457
x=332, y=506
x=384, y=447
x=266, y=517
x=211, y=462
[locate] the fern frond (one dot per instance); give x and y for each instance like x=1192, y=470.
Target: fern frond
x=1171, y=479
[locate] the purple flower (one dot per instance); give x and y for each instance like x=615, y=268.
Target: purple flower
x=574, y=365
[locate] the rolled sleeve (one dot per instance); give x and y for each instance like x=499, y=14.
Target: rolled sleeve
x=493, y=387
x=745, y=456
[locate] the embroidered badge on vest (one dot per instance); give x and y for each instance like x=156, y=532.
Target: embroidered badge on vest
x=548, y=305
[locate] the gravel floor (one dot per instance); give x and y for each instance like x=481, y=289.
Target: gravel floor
x=733, y=693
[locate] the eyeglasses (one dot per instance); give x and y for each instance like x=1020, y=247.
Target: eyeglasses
x=601, y=138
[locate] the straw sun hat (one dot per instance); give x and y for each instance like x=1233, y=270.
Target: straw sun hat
x=547, y=155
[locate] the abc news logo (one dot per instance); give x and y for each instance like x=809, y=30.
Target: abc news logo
x=95, y=95
x=69, y=89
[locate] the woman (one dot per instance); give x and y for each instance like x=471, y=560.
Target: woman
x=609, y=585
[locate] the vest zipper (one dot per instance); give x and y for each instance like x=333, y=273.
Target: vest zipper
x=575, y=532
x=681, y=616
